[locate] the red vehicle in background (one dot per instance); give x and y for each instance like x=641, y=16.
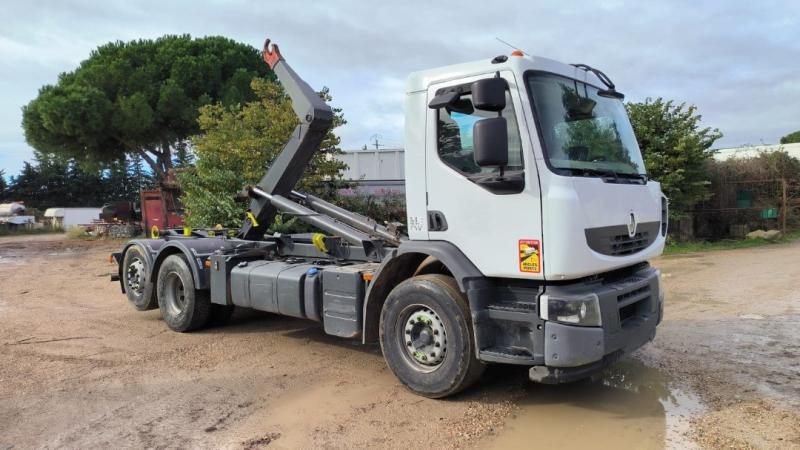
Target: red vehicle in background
x=161, y=208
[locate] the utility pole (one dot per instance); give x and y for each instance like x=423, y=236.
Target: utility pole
x=377, y=144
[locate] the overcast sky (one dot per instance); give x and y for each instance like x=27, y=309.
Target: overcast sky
x=738, y=61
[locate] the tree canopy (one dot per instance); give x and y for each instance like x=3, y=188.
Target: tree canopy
x=3, y=185
x=791, y=138
x=675, y=149
x=140, y=98
x=58, y=181
x=235, y=147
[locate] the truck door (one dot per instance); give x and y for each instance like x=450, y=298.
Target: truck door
x=496, y=224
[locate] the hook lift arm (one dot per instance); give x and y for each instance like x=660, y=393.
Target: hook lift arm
x=316, y=119
x=274, y=192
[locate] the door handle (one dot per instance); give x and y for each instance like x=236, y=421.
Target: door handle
x=436, y=221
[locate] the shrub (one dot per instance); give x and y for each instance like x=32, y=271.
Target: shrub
x=77, y=233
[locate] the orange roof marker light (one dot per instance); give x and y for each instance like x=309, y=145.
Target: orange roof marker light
x=518, y=53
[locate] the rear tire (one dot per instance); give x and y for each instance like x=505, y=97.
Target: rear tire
x=136, y=279
x=183, y=307
x=426, y=336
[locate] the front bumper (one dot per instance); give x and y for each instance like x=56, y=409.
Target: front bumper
x=631, y=307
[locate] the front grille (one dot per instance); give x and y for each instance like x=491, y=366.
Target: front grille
x=623, y=298
x=622, y=244
x=633, y=304
x=615, y=241
x=627, y=313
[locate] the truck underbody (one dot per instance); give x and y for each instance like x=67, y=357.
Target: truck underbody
x=438, y=318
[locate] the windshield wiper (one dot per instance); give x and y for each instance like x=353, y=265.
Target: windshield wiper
x=607, y=173
x=633, y=176
x=626, y=175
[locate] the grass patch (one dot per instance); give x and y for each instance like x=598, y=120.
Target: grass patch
x=726, y=244
x=78, y=233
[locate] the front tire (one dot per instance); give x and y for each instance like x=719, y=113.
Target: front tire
x=136, y=279
x=183, y=307
x=426, y=336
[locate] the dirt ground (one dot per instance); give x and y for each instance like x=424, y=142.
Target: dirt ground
x=79, y=368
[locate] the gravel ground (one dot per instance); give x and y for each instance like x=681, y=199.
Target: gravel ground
x=79, y=368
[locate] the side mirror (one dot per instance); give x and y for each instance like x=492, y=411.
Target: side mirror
x=443, y=99
x=490, y=142
x=489, y=94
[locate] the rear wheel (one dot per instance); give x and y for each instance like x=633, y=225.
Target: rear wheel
x=183, y=307
x=426, y=336
x=136, y=279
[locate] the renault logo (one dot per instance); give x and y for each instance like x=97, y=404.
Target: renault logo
x=632, y=226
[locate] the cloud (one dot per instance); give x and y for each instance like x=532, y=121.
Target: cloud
x=736, y=60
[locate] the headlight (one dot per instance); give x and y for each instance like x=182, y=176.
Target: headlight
x=583, y=311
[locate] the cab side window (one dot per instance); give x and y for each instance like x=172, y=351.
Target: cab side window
x=455, y=136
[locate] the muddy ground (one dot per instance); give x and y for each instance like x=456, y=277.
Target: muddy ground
x=79, y=368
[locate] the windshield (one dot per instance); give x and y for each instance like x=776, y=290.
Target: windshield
x=583, y=132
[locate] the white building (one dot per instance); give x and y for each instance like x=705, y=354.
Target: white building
x=375, y=171
x=749, y=151
x=66, y=218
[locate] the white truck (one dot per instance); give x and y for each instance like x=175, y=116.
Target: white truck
x=530, y=222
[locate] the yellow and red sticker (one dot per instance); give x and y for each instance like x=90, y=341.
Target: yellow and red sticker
x=530, y=256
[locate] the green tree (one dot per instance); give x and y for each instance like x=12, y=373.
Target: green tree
x=139, y=98
x=791, y=138
x=54, y=181
x=675, y=149
x=57, y=181
x=183, y=155
x=3, y=185
x=236, y=146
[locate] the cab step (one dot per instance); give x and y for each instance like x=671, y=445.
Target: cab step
x=512, y=311
x=507, y=355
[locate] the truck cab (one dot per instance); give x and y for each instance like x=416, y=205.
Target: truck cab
x=530, y=222
x=575, y=181
x=572, y=220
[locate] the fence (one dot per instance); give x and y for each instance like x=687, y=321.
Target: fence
x=739, y=207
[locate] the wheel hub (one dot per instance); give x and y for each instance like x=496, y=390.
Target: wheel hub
x=135, y=272
x=174, y=293
x=425, y=339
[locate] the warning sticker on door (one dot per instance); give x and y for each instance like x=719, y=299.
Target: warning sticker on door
x=530, y=256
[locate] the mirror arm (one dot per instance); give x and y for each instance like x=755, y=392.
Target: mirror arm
x=502, y=168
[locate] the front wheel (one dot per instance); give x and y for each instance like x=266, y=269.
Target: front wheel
x=183, y=307
x=426, y=336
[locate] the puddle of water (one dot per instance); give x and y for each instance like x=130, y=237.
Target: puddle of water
x=629, y=405
x=292, y=418
x=9, y=260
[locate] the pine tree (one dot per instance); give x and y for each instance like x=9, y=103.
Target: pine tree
x=3, y=185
